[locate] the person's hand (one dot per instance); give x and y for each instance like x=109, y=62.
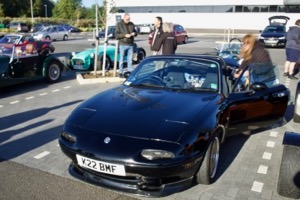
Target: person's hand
x=128, y=35
x=132, y=34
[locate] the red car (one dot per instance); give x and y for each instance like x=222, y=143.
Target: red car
x=41, y=47
x=180, y=33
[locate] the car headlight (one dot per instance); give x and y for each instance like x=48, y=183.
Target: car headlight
x=261, y=38
x=281, y=38
x=73, y=53
x=92, y=55
x=69, y=137
x=153, y=154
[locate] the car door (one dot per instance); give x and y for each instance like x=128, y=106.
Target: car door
x=178, y=30
x=54, y=33
x=258, y=100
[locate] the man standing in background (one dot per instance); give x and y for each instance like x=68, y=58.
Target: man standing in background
x=125, y=33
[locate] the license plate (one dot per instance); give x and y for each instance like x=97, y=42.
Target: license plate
x=100, y=166
x=271, y=41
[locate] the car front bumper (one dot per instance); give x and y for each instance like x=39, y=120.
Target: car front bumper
x=273, y=42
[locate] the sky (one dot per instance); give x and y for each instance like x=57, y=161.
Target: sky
x=89, y=3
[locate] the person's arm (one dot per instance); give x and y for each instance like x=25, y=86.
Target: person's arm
x=157, y=44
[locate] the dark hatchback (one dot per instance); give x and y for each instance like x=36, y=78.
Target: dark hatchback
x=161, y=131
x=274, y=34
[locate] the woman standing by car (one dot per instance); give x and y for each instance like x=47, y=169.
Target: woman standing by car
x=167, y=42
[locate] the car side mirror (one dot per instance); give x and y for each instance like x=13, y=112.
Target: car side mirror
x=93, y=44
x=259, y=86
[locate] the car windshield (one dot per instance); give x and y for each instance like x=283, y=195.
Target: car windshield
x=6, y=49
x=10, y=39
x=274, y=29
x=45, y=29
x=186, y=74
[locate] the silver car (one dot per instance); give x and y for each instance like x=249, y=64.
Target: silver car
x=51, y=33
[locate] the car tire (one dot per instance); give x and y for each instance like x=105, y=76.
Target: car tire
x=108, y=63
x=207, y=172
x=65, y=38
x=141, y=55
x=53, y=72
x=296, y=117
x=185, y=40
x=47, y=37
x=289, y=173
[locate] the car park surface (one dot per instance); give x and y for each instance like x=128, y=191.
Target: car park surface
x=249, y=171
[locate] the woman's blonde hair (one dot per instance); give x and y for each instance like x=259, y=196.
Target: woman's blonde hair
x=246, y=53
x=167, y=27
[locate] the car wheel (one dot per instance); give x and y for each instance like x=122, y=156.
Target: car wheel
x=48, y=38
x=53, y=72
x=141, y=55
x=297, y=105
x=65, y=37
x=208, y=168
x=108, y=63
x=185, y=40
x=289, y=173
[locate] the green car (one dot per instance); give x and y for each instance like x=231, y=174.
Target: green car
x=85, y=60
x=22, y=63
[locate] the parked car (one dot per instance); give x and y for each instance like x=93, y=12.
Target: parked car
x=73, y=29
x=111, y=32
x=41, y=46
x=18, y=26
x=52, y=33
x=180, y=34
x=85, y=60
x=274, y=34
x=160, y=131
x=146, y=28
x=289, y=174
x=38, y=26
x=21, y=63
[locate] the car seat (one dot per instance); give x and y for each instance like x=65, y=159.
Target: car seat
x=211, y=78
x=175, y=77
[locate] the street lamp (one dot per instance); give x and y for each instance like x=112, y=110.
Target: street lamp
x=45, y=10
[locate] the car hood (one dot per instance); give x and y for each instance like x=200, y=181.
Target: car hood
x=88, y=52
x=142, y=113
x=275, y=35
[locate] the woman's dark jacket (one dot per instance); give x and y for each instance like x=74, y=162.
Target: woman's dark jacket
x=158, y=35
x=122, y=29
x=259, y=55
x=167, y=42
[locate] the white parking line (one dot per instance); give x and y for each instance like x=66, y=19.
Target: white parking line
x=41, y=155
x=67, y=87
x=273, y=134
x=43, y=94
x=262, y=169
x=57, y=90
x=14, y=102
x=257, y=186
x=1, y=106
x=271, y=144
x=28, y=98
x=267, y=156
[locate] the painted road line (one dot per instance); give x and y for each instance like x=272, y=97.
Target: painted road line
x=57, y=90
x=43, y=94
x=257, y=186
x=14, y=102
x=273, y=134
x=67, y=87
x=41, y=155
x=271, y=144
x=267, y=156
x=262, y=169
x=28, y=98
x=1, y=106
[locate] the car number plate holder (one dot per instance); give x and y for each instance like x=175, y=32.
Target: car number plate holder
x=99, y=166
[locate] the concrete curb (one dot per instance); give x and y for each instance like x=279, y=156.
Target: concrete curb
x=83, y=81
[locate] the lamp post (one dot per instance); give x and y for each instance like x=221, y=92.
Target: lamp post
x=31, y=10
x=45, y=10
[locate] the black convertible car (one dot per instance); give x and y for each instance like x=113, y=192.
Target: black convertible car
x=21, y=63
x=160, y=131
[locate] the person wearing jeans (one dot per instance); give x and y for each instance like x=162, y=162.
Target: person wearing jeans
x=125, y=33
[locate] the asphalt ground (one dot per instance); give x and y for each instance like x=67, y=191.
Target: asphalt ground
x=33, y=167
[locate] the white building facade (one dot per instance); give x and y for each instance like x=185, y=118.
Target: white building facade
x=208, y=14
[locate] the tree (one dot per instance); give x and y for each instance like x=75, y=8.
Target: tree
x=66, y=9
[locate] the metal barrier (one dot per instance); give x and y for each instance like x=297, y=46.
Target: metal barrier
x=228, y=34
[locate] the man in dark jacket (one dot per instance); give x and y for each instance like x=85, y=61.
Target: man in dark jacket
x=156, y=34
x=125, y=33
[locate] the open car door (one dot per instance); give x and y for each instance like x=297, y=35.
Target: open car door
x=258, y=99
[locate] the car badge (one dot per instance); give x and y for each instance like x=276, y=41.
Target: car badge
x=107, y=140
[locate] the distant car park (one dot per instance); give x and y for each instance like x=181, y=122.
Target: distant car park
x=146, y=28
x=18, y=26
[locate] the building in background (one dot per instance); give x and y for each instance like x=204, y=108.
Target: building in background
x=209, y=14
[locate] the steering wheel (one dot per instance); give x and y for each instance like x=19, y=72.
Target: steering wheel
x=154, y=79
